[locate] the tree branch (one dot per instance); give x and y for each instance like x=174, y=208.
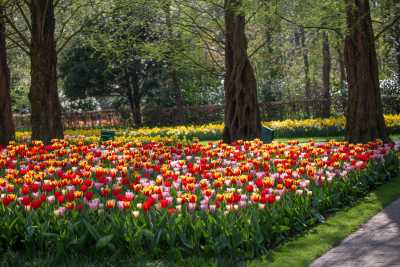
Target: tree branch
x=64, y=24
x=18, y=32
x=209, y=33
x=336, y=30
x=258, y=48
x=385, y=28
x=69, y=38
x=17, y=44
x=209, y=50
x=28, y=24
x=213, y=72
x=56, y=3
x=200, y=10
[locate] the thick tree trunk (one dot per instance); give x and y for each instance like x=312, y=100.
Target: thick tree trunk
x=326, y=73
x=242, y=115
x=7, y=130
x=46, y=117
x=307, y=80
x=365, y=120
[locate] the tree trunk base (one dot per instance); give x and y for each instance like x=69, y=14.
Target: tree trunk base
x=365, y=121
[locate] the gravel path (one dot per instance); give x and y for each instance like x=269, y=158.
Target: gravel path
x=376, y=243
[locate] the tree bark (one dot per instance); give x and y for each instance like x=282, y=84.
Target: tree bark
x=307, y=80
x=326, y=73
x=342, y=71
x=342, y=77
x=134, y=99
x=365, y=121
x=46, y=117
x=7, y=130
x=178, y=92
x=392, y=36
x=137, y=111
x=242, y=115
x=396, y=41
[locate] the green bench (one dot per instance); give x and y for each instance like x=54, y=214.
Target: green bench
x=107, y=135
x=267, y=134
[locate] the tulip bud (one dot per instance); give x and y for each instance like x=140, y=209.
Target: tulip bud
x=135, y=213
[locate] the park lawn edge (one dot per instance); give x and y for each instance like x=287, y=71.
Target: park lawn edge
x=304, y=249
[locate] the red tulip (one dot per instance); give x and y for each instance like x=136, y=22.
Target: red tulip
x=271, y=199
x=164, y=203
x=89, y=195
x=60, y=199
x=36, y=203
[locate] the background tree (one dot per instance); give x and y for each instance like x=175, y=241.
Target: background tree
x=186, y=48
x=33, y=31
x=110, y=58
x=326, y=76
x=86, y=73
x=365, y=120
x=242, y=115
x=7, y=131
x=46, y=118
x=173, y=83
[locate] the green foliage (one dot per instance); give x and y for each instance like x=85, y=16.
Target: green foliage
x=84, y=74
x=186, y=36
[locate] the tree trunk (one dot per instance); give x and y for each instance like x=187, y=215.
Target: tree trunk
x=342, y=78
x=365, y=121
x=342, y=71
x=45, y=105
x=134, y=98
x=178, y=92
x=397, y=50
x=326, y=73
x=7, y=130
x=242, y=115
x=137, y=111
x=307, y=80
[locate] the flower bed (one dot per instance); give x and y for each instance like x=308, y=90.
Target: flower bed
x=173, y=200
x=283, y=129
